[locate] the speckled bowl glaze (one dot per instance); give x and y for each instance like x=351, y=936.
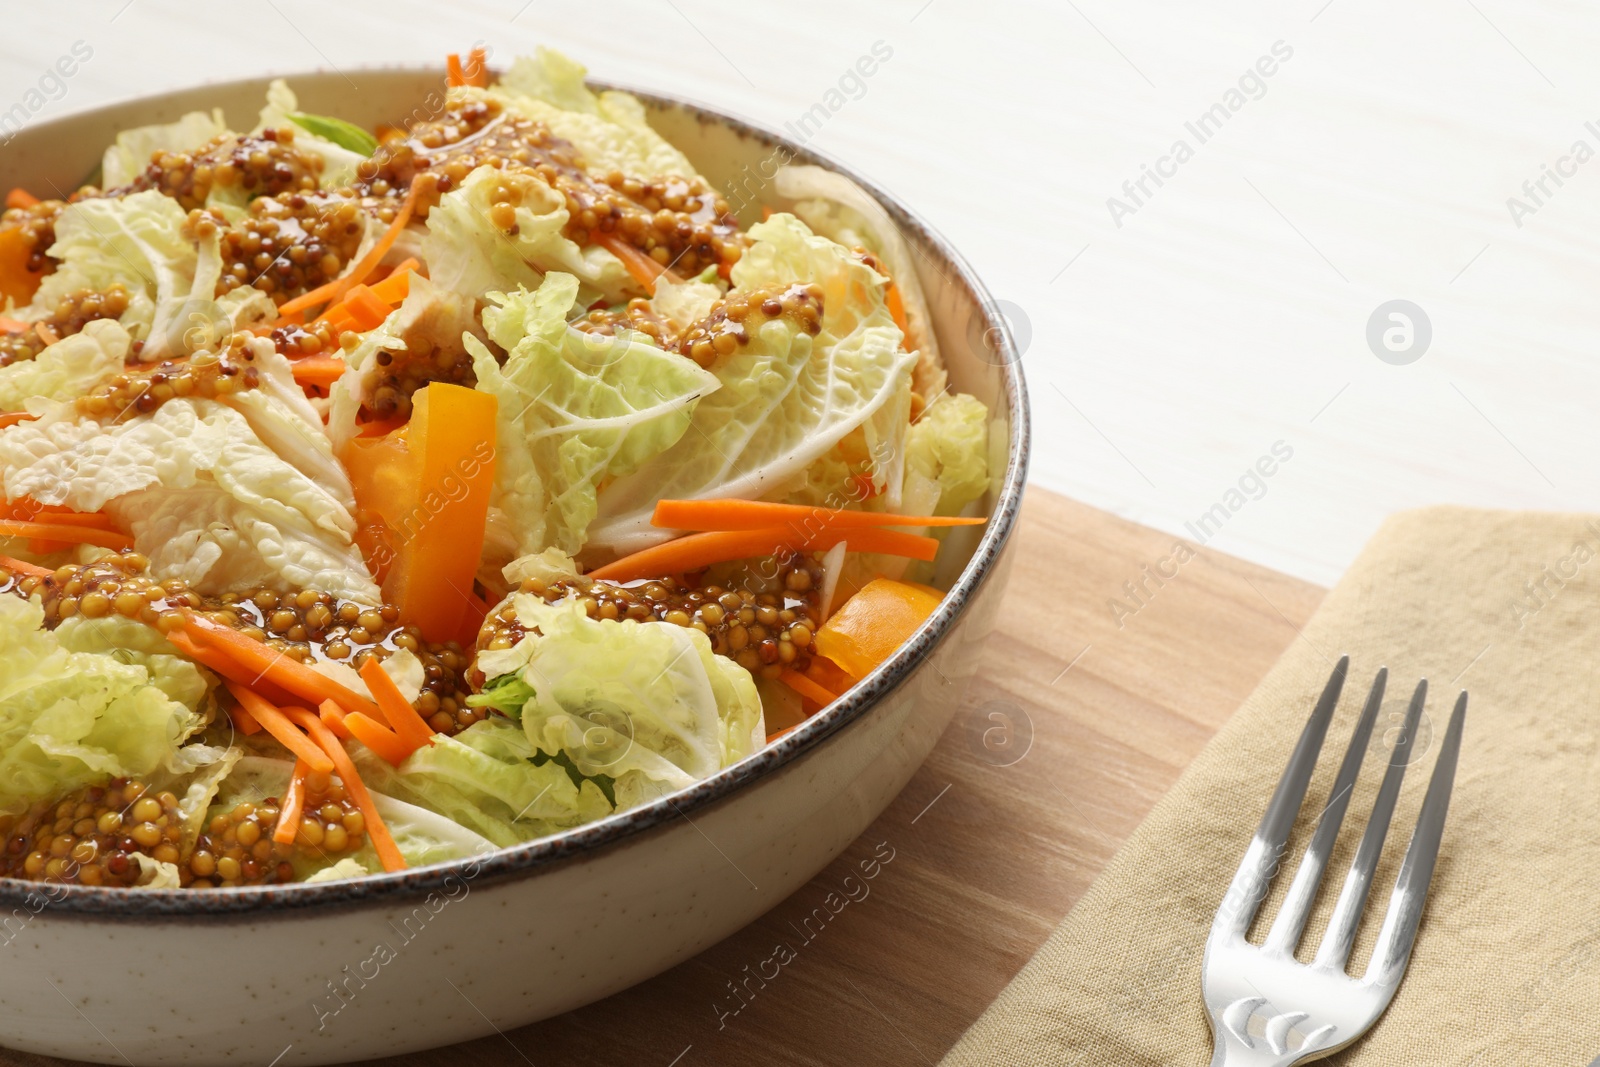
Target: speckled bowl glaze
x=351, y=970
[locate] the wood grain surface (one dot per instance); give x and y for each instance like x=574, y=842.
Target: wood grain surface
x=1072, y=731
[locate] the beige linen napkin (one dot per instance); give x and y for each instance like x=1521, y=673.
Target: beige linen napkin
x=1506, y=969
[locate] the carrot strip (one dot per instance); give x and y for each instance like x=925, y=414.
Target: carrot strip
x=11, y=418
x=243, y=721
x=641, y=267
x=379, y=427
x=333, y=718
x=294, y=803
x=286, y=672
x=26, y=570
x=807, y=688
x=368, y=309
x=20, y=197
x=408, y=725
x=67, y=534
x=335, y=290
x=736, y=514
x=26, y=511
x=397, y=286
x=452, y=71
x=318, y=370
x=230, y=670
x=276, y=722
x=700, y=550
x=378, y=737
x=382, y=840
x=783, y=733
x=897, y=311
x=477, y=70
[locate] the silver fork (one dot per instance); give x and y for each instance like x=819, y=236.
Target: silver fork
x=1269, y=1010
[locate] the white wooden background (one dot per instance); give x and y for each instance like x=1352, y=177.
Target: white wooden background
x=1227, y=313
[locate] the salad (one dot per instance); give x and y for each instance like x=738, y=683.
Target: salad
x=377, y=497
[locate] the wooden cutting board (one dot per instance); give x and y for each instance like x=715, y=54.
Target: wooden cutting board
x=1081, y=719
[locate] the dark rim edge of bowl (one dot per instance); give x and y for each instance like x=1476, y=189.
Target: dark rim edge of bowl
x=256, y=902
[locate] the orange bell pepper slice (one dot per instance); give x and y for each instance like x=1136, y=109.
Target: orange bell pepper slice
x=17, y=282
x=422, y=494
x=870, y=626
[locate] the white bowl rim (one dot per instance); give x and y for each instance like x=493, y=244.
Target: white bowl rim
x=256, y=902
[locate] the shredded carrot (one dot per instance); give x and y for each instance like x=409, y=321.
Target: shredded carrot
x=11, y=418
x=378, y=737
x=65, y=533
x=333, y=718
x=361, y=310
x=11, y=325
x=274, y=667
x=402, y=716
x=700, y=550
x=335, y=290
x=452, y=71
x=382, y=840
x=26, y=570
x=294, y=802
x=477, y=71
x=397, y=286
x=243, y=721
x=641, y=267
x=766, y=212
x=340, y=320
x=232, y=671
x=20, y=197
x=318, y=370
x=44, y=332
x=26, y=510
x=380, y=427
x=735, y=514
x=276, y=722
x=366, y=307
x=897, y=311
x=807, y=688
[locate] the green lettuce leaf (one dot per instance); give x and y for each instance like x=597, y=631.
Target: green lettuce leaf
x=468, y=254
x=838, y=208
x=947, y=456
x=609, y=129
x=422, y=836
x=130, y=641
x=72, y=367
x=136, y=241
x=789, y=402
x=491, y=779
x=204, y=496
x=342, y=133
x=506, y=694
x=645, y=704
x=130, y=155
x=575, y=409
x=339, y=163
x=70, y=719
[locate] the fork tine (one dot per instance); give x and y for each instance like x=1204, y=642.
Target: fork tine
x=1335, y=948
x=1399, y=929
x=1249, y=884
x=1291, y=920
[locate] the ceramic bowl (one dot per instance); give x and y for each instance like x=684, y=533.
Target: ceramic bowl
x=310, y=974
